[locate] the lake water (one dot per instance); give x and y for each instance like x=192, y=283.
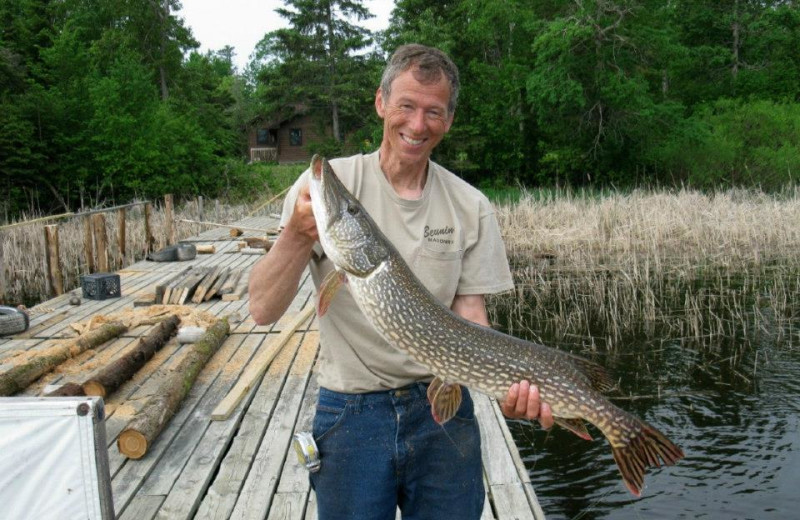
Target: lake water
x=738, y=422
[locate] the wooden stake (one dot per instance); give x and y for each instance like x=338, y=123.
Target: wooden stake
x=113, y=375
x=121, y=235
x=150, y=240
x=168, y=219
x=258, y=366
x=28, y=371
x=176, y=382
x=54, y=276
x=88, y=244
x=100, y=241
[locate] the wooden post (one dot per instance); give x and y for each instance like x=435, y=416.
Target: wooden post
x=2, y=271
x=149, y=239
x=168, y=219
x=216, y=210
x=121, y=236
x=54, y=276
x=88, y=243
x=199, y=207
x=100, y=241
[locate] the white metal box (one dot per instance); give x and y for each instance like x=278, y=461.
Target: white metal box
x=54, y=459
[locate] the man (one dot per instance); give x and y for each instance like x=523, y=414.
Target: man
x=379, y=446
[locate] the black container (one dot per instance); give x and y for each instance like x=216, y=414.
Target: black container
x=100, y=286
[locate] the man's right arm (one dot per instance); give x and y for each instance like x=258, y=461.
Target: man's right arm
x=274, y=279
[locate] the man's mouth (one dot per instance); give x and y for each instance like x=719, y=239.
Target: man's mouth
x=412, y=142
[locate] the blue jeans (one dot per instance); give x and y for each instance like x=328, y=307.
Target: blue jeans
x=382, y=450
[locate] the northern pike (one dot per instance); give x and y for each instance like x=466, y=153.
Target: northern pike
x=460, y=352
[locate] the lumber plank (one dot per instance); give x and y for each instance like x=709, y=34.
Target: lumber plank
x=231, y=281
x=206, y=283
x=142, y=507
x=190, y=284
x=288, y=506
x=221, y=495
x=256, y=495
x=257, y=368
x=215, y=287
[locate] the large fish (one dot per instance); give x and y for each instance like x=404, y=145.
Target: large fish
x=459, y=352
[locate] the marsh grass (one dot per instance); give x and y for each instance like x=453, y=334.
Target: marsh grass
x=24, y=249
x=598, y=270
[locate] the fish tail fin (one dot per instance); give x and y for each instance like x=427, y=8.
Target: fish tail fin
x=646, y=447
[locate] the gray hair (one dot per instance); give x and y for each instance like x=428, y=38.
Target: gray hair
x=429, y=63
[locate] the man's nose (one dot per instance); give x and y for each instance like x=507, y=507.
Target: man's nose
x=417, y=121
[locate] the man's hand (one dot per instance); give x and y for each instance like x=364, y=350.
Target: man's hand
x=523, y=402
x=302, y=220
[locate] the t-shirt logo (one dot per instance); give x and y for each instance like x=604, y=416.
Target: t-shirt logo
x=441, y=235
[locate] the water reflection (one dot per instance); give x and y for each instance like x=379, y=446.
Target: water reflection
x=738, y=427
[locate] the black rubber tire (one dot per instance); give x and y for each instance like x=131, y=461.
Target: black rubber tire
x=12, y=321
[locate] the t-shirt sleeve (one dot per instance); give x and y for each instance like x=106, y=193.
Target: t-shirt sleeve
x=291, y=198
x=485, y=267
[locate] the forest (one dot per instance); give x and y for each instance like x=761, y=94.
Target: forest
x=104, y=101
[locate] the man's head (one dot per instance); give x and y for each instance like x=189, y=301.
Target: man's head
x=428, y=64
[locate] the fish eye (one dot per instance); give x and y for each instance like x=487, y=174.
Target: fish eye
x=352, y=209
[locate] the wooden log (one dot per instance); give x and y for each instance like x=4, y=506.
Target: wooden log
x=29, y=370
x=121, y=235
x=252, y=251
x=205, y=284
x=258, y=242
x=54, y=276
x=231, y=281
x=134, y=441
x=206, y=249
x=257, y=367
x=113, y=375
x=88, y=244
x=100, y=241
x=150, y=240
x=216, y=286
x=168, y=219
x=67, y=390
x=236, y=232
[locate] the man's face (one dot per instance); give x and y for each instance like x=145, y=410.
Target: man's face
x=415, y=117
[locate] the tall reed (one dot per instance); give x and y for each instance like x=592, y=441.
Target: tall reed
x=605, y=268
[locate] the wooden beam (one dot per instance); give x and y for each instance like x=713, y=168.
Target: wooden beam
x=54, y=276
x=149, y=239
x=88, y=244
x=258, y=366
x=100, y=241
x=169, y=219
x=121, y=235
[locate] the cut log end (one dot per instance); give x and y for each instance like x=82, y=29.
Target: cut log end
x=94, y=388
x=132, y=444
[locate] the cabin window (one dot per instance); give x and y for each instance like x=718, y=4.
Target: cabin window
x=296, y=137
x=262, y=137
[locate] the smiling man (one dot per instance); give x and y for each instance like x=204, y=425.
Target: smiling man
x=379, y=445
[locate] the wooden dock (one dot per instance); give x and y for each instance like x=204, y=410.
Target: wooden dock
x=242, y=467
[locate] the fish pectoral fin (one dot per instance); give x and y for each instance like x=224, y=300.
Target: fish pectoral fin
x=327, y=290
x=445, y=399
x=576, y=426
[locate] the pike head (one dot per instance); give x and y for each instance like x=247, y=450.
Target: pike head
x=348, y=235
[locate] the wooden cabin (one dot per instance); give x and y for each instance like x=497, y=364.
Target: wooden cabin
x=284, y=140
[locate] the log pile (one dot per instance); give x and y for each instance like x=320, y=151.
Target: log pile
x=25, y=371
x=175, y=383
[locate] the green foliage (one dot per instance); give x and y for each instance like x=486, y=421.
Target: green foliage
x=738, y=143
x=257, y=181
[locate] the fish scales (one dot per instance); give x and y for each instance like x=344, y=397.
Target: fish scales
x=459, y=352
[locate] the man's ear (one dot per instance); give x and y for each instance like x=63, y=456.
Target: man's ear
x=379, y=108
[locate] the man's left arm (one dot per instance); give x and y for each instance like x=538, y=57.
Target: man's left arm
x=522, y=400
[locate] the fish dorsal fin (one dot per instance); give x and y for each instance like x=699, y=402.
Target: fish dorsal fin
x=445, y=398
x=576, y=426
x=597, y=375
x=327, y=290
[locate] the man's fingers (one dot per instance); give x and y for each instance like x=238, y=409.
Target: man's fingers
x=523, y=401
x=533, y=403
x=546, y=416
x=511, y=400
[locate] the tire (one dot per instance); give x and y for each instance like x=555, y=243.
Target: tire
x=12, y=321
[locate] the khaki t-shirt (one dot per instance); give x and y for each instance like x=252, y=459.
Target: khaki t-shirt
x=450, y=239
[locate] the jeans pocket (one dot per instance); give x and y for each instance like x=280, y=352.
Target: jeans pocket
x=466, y=412
x=326, y=420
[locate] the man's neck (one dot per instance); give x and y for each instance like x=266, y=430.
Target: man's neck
x=408, y=180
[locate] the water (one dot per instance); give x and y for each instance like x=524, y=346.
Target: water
x=735, y=416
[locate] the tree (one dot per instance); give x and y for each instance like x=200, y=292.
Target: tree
x=315, y=62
